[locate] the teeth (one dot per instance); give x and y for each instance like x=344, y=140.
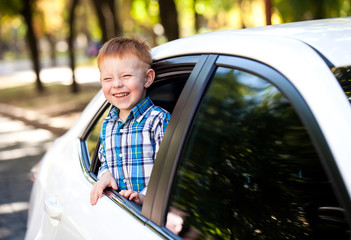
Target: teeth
x=121, y=94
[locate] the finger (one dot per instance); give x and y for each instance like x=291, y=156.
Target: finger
x=96, y=193
x=93, y=199
x=114, y=185
x=126, y=193
x=133, y=196
x=92, y=195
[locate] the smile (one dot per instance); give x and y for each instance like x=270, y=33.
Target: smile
x=120, y=94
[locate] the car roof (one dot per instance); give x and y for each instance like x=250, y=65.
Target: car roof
x=331, y=38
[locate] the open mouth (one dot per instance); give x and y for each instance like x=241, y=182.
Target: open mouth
x=118, y=95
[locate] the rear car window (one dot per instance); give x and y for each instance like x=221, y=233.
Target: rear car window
x=343, y=75
x=250, y=170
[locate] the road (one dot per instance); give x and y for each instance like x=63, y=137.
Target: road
x=22, y=146
x=20, y=72
x=19, y=151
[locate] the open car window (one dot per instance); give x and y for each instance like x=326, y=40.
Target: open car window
x=171, y=77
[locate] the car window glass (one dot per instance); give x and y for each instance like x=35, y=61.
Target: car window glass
x=93, y=138
x=250, y=171
x=343, y=75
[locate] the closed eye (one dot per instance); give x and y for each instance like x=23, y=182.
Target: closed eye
x=126, y=76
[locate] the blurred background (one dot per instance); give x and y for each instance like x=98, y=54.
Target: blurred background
x=48, y=70
x=51, y=33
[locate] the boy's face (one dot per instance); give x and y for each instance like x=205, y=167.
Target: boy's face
x=124, y=81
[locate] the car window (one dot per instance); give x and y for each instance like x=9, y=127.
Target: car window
x=343, y=75
x=171, y=76
x=250, y=171
x=93, y=138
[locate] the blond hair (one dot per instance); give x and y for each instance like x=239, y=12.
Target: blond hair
x=120, y=46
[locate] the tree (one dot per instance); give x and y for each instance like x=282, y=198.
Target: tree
x=49, y=23
x=169, y=19
x=72, y=60
x=25, y=9
x=268, y=11
x=26, y=12
x=298, y=10
x=107, y=14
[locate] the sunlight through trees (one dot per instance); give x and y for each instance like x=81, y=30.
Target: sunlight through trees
x=54, y=32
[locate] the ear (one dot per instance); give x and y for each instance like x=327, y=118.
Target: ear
x=150, y=76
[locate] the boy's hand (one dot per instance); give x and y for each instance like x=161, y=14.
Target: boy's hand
x=106, y=180
x=136, y=197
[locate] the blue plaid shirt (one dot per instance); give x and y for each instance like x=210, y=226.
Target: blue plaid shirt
x=129, y=149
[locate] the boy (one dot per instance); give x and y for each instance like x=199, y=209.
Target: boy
x=132, y=132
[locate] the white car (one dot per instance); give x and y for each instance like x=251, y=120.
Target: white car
x=258, y=145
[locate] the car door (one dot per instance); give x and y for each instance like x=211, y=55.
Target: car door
x=247, y=160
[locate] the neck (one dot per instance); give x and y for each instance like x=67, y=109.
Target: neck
x=123, y=115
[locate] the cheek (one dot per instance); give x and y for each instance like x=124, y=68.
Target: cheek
x=134, y=85
x=105, y=85
x=105, y=89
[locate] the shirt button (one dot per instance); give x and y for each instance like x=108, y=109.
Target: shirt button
x=121, y=155
x=124, y=180
x=121, y=130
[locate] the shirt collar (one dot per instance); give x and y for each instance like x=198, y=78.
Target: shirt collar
x=137, y=111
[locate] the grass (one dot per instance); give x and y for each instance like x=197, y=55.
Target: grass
x=54, y=95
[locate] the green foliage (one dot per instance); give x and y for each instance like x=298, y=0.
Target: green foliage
x=145, y=12
x=343, y=75
x=210, y=7
x=298, y=10
x=11, y=7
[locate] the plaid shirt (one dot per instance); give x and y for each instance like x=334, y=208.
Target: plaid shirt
x=129, y=149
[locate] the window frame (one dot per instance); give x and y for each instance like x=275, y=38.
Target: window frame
x=179, y=133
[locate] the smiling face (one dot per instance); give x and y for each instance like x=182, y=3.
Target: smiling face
x=124, y=81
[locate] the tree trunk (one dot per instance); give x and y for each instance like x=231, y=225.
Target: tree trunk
x=72, y=60
x=101, y=18
x=108, y=20
x=51, y=40
x=197, y=18
x=32, y=41
x=319, y=11
x=1, y=46
x=169, y=19
x=241, y=14
x=114, y=17
x=268, y=10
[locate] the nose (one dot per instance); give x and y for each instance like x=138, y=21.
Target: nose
x=117, y=83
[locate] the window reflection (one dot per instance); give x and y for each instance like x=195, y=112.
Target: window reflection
x=249, y=169
x=343, y=75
